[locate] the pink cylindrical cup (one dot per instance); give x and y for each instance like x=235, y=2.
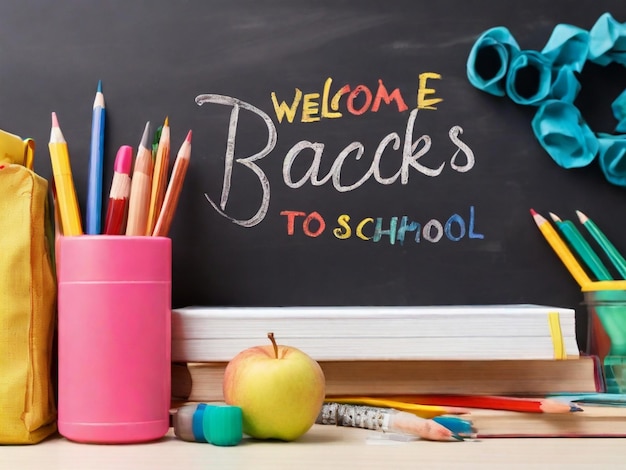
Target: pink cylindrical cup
x=114, y=310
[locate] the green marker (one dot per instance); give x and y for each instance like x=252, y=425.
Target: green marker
x=616, y=258
x=582, y=248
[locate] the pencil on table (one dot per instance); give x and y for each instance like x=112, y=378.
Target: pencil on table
x=120, y=189
x=613, y=254
x=63, y=181
x=422, y=410
x=174, y=188
x=391, y=420
x=139, y=200
x=561, y=249
x=528, y=405
x=159, y=177
x=96, y=161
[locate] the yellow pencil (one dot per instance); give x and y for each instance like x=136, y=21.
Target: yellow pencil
x=561, y=249
x=425, y=411
x=170, y=201
x=159, y=177
x=139, y=202
x=63, y=182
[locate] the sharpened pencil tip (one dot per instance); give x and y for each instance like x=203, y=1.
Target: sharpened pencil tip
x=582, y=217
x=167, y=121
x=533, y=212
x=188, y=138
x=574, y=408
x=55, y=120
x=554, y=217
x=145, y=137
x=99, y=90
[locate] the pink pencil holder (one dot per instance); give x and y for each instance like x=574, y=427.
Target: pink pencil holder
x=114, y=310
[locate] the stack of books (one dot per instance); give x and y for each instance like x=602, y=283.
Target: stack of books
x=512, y=350
x=487, y=332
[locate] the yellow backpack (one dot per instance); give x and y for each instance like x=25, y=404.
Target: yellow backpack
x=27, y=297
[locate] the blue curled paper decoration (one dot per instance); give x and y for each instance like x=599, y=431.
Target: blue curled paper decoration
x=607, y=41
x=548, y=80
x=619, y=111
x=567, y=46
x=489, y=58
x=562, y=132
x=565, y=86
x=612, y=158
x=529, y=79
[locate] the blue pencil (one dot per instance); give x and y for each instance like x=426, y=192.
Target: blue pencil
x=96, y=162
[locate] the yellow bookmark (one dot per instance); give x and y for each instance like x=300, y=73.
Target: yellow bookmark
x=557, y=335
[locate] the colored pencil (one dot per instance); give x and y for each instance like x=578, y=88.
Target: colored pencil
x=139, y=202
x=63, y=181
x=120, y=190
x=420, y=409
x=395, y=421
x=174, y=188
x=582, y=248
x=96, y=162
x=613, y=254
x=527, y=405
x=159, y=177
x=561, y=249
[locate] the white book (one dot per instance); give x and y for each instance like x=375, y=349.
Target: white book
x=519, y=331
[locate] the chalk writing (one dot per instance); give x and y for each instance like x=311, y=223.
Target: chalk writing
x=454, y=228
x=331, y=103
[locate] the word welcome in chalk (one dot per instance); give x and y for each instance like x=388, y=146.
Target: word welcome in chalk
x=358, y=100
x=399, y=229
x=412, y=150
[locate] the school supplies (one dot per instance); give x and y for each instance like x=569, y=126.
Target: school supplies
x=27, y=298
x=159, y=176
x=220, y=425
x=120, y=190
x=522, y=404
x=392, y=421
x=613, y=254
x=468, y=332
x=561, y=249
x=202, y=381
x=62, y=173
x=582, y=248
x=423, y=411
x=594, y=421
x=174, y=188
x=96, y=162
x=139, y=202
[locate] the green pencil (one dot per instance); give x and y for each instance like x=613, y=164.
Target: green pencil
x=582, y=248
x=614, y=255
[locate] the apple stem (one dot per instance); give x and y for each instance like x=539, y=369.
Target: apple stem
x=270, y=335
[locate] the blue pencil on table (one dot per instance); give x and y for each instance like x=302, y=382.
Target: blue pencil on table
x=96, y=163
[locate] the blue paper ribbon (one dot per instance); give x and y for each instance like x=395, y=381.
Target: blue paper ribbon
x=548, y=80
x=488, y=61
x=563, y=133
x=612, y=158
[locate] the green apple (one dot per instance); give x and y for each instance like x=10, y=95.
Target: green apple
x=280, y=390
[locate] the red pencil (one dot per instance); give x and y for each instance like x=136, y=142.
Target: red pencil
x=528, y=405
x=120, y=190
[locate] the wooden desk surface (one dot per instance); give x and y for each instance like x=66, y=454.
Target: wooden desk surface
x=322, y=447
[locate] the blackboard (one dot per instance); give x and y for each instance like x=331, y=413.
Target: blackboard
x=159, y=58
